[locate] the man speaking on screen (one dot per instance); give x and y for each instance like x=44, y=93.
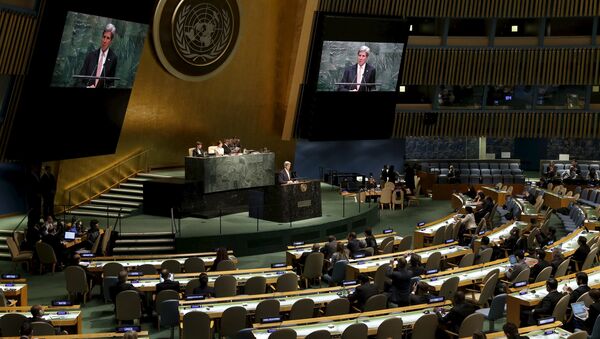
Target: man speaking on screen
x=359, y=73
x=102, y=62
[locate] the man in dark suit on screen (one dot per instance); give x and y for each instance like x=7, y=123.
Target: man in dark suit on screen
x=101, y=62
x=359, y=73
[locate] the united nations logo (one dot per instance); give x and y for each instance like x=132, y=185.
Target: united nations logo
x=303, y=187
x=195, y=37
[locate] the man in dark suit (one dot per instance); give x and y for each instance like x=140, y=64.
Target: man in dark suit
x=37, y=315
x=354, y=245
x=401, y=279
x=517, y=268
x=285, y=175
x=582, y=287
x=101, y=62
x=167, y=283
x=457, y=314
x=362, y=292
x=539, y=266
x=198, y=151
x=122, y=285
x=359, y=73
x=546, y=306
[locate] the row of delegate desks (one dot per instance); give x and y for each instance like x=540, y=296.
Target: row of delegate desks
x=140, y=335
x=498, y=195
x=371, y=264
x=555, y=200
x=15, y=289
x=95, y=264
x=498, y=234
x=214, y=307
x=294, y=253
x=337, y=324
x=67, y=317
x=147, y=283
x=532, y=294
x=568, y=244
x=548, y=331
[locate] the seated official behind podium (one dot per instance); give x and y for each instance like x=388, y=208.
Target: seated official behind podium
x=285, y=175
x=198, y=151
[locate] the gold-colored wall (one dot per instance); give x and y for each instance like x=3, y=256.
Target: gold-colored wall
x=247, y=98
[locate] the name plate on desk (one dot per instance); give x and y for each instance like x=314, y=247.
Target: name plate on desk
x=304, y=203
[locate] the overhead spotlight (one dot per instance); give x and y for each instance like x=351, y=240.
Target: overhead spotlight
x=410, y=28
x=514, y=28
x=402, y=89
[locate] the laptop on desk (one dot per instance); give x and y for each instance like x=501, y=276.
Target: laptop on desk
x=579, y=310
x=69, y=236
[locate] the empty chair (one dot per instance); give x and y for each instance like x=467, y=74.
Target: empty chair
x=42, y=328
x=578, y=335
x=189, y=287
x=380, y=277
x=106, y=241
x=77, y=282
x=226, y=265
x=162, y=296
x=128, y=306
x=495, y=311
x=320, y=334
x=313, y=268
x=46, y=255
x=376, y=302
x=440, y=235
x=232, y=321
x=168, y=314
x=390, y=328
x=544, y=274
x=283, y=333
x=255, y=285
x=472, y=323
x=225, y=286
x=112, y=269
x=389, y=248
x=287, y=282
x=587, y=300
x=467, y=260
x=302, y=309
x=18, y=256
x=398, y=199
x=196, y=325
x=172, y=265
x=147, y=269
x=425, y=326
x=405, y=243
x=384, y=243
x=561, y=270
x=10, y=324
x=107, y=283
x=338, y=273
x=268, y=308
x=386, y=198
x=356, y=331
x=589, y=260
x=560, y=310
x=337, y=307
x=484, y=256
x=449, y=288
x=433, y=262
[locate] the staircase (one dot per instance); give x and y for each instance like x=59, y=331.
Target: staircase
x=4, y=252
x=126, y=198
x=144, y=243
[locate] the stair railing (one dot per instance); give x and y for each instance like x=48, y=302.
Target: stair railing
x=95, y=186
x=20, y=222
x=175, y=224
x=117, y=220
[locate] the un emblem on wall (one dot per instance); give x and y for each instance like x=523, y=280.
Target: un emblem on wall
x=195, y=37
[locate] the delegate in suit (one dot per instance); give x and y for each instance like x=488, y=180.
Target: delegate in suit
x=101, y=62
x=285, y=175
x=361, y=72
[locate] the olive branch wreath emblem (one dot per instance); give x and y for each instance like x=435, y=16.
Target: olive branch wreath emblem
x=215, y=51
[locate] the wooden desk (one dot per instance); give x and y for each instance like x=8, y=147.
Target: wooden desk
x=131, y=262
x=148, y=283
x=499, y=196
x=78, y=240
x=528, y=212
x=468, y=275
x=215, y=307
x=534, y=332
x=428, y=230
x=515, y=301
x=591, y=217
x=72, y=320
x=15, y=289
x=371, y=264
x=337, y=324
x=555, y=201
x=568, y=244
x=294, y=253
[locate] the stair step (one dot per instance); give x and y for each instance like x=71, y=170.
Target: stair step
x=3, y=247
x=152, y=175
x=96, y=214
x=143, y=241
x=138, y=180
x=116, y=202
x=143, y=249
x=127, y=190
x=4, y=255
x=145, y=234
x=131, y=185
x=124, y=210
x=122, y=196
